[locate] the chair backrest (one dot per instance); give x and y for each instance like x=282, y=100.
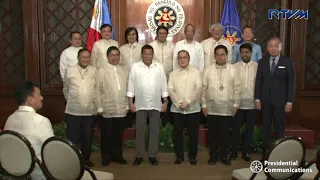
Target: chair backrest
x=288, y=149
x=16, y=154
x=62, y=159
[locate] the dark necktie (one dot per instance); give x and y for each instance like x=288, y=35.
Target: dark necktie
x=273, y=65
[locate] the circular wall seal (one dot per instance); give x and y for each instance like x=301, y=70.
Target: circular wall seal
x=168, y=13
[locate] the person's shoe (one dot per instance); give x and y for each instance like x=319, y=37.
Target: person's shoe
x=225, y=161
x=153, y=161
x=105, y=162
x=213, y=160
x=246, y=156
x=137, y=161
x=233, y=156
x=178, y=161
x=121, y=161
x=193, y=161
x=89, y=163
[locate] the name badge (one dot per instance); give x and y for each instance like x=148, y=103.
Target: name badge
x=282, y=67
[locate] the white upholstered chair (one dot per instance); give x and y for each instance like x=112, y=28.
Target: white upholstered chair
x=17, y=156
x=64, y=161
x=285, y=149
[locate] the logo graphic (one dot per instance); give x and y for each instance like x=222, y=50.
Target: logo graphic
x=165, y=13
x=287, y=14
x=256, y=166
x=232, y=38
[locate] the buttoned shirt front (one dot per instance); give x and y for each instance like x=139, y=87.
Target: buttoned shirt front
x=68, y=58
x=163, y=54
x=256, y=53
x=195, y=51
x=185, y=85
x=35, y=127
x=208, y=47
x=130, y=53
x=247, y=73
x=147, y=85
x=221, y=89
x=79, y=90
x=99, y=52
x=112, y=82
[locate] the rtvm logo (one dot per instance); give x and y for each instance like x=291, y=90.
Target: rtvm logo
x=287, y=14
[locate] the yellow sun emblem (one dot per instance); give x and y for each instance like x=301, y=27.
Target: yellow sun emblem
x=232, y=38
x=165, y=17
x=95, y=12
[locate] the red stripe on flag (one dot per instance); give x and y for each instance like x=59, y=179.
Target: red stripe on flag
x=93, y=36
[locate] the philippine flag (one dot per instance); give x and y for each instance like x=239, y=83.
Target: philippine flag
x=100, y=16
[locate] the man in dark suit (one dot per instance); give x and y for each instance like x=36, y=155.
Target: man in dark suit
x=274, y=90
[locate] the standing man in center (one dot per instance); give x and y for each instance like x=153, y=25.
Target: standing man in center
x=220, y=99
x=147, y=83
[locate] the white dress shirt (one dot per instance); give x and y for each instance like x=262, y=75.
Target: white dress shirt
x=221, y=89
x=185, y=85
x=247, y=73
x=35, y=127
x=99, y=52
x=208, y=48
x=147, y=85
x=163, y=54
x=79, y=90
x=130, y=54
x=68, y=58
x=195, y=51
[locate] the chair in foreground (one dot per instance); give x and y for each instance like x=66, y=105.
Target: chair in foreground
x=286, y=149
x=64, y=161
x=17, y=157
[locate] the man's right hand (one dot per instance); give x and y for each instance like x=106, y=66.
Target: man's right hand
x=258, y=105
x=205, y=111
x=132, y=108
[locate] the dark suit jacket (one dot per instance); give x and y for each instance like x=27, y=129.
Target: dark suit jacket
x=277, y=88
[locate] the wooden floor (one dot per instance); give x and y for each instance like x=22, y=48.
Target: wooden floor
x=167, y=170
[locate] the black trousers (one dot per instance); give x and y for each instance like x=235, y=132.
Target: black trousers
x=191, y=121
x=79, y=131
x=166, y=117
x=277, y=113
x=111, y=137
x=218, y=134
x=247, y=117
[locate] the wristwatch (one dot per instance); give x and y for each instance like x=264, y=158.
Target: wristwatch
x=165, y=101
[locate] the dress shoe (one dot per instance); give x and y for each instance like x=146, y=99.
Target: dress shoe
x=233, y=156
x=213, y=160
x=153, y=161
x=89, y=164
x=193, y=161
x=137, y=161
x=246, y=156
x=225, y=161
x=121, y=161
x=105, y=162
x=178, y=161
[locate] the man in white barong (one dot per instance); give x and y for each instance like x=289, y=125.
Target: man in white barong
x=220, y=99
x=185, y=85
x=113, y=105
x=99, y=49
x=211, y=43
x=79, y=91
x=69, y=57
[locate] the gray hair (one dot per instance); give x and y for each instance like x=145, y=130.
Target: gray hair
x=216, y=26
